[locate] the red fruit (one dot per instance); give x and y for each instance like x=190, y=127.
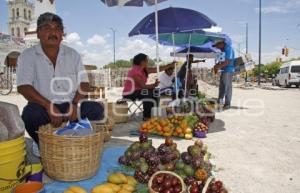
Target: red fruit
x=194, y=189
x=219, y=184
x=167, y=191
x=169, y=141
x=177, y=189
x=167, y=184
x=174, y=181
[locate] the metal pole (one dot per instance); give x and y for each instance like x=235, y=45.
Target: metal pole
x=156, y=34
x=246, y=47
x=259, y=48
x=114, y=44
x=246, y=38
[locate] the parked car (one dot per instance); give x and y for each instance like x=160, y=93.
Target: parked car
x=289, y=74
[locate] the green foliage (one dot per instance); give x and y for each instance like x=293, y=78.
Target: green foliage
x=125, y=64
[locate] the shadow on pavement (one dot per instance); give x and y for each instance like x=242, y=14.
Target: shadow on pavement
x=216, y=126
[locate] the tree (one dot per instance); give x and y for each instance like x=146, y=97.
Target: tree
x=125, y=64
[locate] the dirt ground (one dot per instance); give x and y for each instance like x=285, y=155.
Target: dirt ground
x=255, y=144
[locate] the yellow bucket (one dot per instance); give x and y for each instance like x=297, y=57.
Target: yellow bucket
x=12, y=164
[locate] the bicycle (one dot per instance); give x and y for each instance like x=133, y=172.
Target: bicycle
x=5, y=85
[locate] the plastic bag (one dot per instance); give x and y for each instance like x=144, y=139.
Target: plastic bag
x=80, y=128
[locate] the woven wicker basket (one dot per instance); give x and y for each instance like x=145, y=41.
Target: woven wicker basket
x=118, y=112
x=67, y=158
x=165, y=172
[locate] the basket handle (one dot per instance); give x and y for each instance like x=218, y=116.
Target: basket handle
x=208, y=181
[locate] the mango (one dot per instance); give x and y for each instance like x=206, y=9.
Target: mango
x=115, y=187
x=68, y=191
x=77, y=189
x=131, y=181
x=103, y=188
x=115, y=178
x=124, y=191
x=123, y=177
x=128, y=187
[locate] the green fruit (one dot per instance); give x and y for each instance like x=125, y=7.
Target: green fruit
x=188, y=170
x=179, y=165
x=144, y=167
x=128, y=153
x=181, y=174
x=194, y=150
x=135, y=146
x=147, y=144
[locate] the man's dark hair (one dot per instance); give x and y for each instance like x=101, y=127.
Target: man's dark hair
x=189, y=56
x=138, y=59
x=49, y=17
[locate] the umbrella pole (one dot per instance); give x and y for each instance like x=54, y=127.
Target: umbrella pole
x=186, y=67
x=176, y=94
x=156, y=34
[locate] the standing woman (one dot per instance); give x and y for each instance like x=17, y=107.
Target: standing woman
x=135, y=87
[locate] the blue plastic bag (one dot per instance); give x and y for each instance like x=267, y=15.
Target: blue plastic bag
x=81, y=128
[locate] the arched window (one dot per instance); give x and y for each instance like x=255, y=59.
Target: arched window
x=13, y=31
x=13, y=13
x=29, y=15
x=25, y=14
x=18, y=13
x=18, y=32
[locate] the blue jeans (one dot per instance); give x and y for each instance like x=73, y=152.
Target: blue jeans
x=35, y=115
x=225, y=88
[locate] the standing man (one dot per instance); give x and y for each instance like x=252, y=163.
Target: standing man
x=51, y=77
x=227, y=70
x=186, y=68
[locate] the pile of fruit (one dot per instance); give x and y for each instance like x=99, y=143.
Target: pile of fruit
x=175, y=125
x=194, y=164
x=213, y=187
x=200, y=130
x=117, y=183
x=146, y=160
x=166, y=183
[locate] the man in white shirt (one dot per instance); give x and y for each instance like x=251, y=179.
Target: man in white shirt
x=166, y=81
x=51, y=77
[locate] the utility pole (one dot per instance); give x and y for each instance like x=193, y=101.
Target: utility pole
x=114, y=44
x=259, y=43
x=246, y=48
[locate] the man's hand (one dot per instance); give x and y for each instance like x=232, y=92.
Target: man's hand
x=215, y=69
x=156, y=83
x=72, y=112
x=55, y=115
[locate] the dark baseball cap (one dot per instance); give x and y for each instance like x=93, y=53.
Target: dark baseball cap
x=49, y=17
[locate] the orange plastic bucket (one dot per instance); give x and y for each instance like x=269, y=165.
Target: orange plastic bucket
x=30, y=187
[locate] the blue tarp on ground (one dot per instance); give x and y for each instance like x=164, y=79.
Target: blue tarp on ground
x=109, y=164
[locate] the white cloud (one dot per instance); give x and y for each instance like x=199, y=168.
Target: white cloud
x=281, y=7
x=74, y=38
x=97, y=40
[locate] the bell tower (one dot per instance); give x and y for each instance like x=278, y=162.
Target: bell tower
x=20, y=16
x=40, y=7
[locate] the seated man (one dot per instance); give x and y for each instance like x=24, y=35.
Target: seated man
x=166, y=80
x=51, y=77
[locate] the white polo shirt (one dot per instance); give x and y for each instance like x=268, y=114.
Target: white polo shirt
x=57, y=85
x=165, y=81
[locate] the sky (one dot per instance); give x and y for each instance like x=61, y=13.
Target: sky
x=88, y=27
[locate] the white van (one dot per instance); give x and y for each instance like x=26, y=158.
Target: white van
x=289, y=74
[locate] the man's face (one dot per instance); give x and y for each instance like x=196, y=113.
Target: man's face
x=170, y=72
x=50, y=35
x=220, y=46
x=190, y=58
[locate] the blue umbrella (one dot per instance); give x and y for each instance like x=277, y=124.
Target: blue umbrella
x=134, y=3
x=204, y=51
x=192, y=38
x=172, y=20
